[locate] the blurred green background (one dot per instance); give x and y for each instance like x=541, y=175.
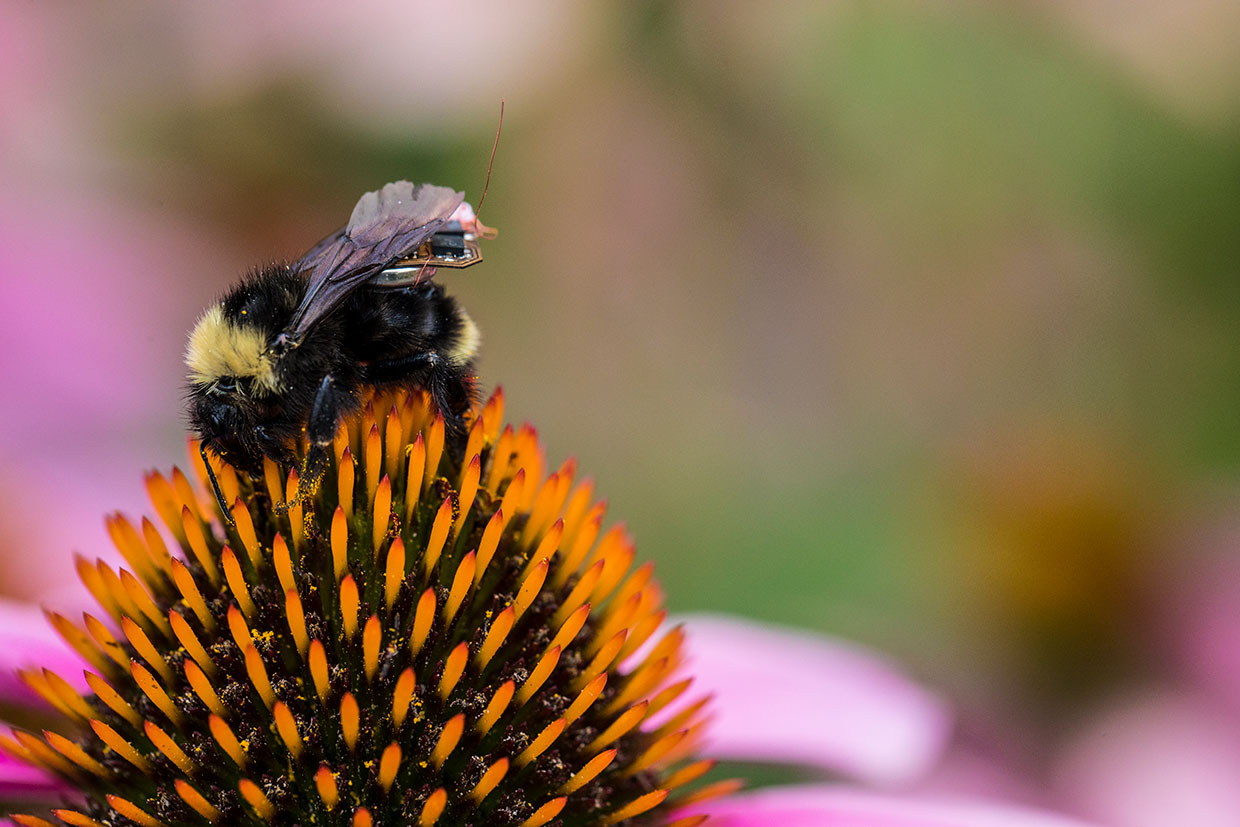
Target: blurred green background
x=914, y=325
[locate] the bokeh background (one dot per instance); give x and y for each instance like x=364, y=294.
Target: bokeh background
x=911, y=324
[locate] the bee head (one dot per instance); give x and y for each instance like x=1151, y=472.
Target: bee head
x=226, y=358
x=232, y=380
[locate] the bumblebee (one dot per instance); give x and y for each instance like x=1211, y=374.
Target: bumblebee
x=288, y=350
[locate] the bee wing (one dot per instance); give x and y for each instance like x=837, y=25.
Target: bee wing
x=386, y=225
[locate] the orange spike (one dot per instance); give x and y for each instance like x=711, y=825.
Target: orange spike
x=389, y=765
x=75, y=819
x=619, y=727
x=469, y=490
x=402, y=696
x=614, y=622
x=615, y=565
x=75, y=754
x=546, y=812
x=541, y=743
x=511, y=503
x=602, y=660
x=489, y=781
x=190, y=641
x=639, y=682
x=89, y=575
x=203, y=689
x=435, y=804
x=542, y=509
x=439, y=534
x=286, y=725
x=391, y=442
x=461, y=582
x=282, y=559
x=112, y=582
x=500, y=627
x=271, y=478
x=78, y=640
x=296, y=620
x=579, y=545
x=34, y=821
x=257, y=671
x=372, y=637
x=193, y=598
x=488, y=544
x=372, y=455
x=104, y=691
x=68, y=695
x=415, y=469
x=185, y=493
x=538, y=675
x=473, y=445
x=453, y=667
x=151, y=688
x=345, y=473
x=588, y=773
x=570, y=628
x=227, y=741
x=361, y=818
x=586, y=697
x=156, y=547
x=448, y=738
x=318, y=669
x=349, y=604
x=495, y=708
x=434, y=449
x=501, y=456
x=530, y=587
x=423, y=620
x=107, y=643
x=37, y=681
x=350, y=718
x=197, y=802
x=550, y=542
x=394, y=575
x=125, y=537
x=197, y=540
x=133, y=812
x=382, y=513
x=163, y=499
x=164, y=743
x=325, y=783
x=262, y=805
x=40, y=752
x=120, y=746
x=245, y=531
x=719, y=788
x=671, y=693
x=493, y=411
x=236, y=582
x=579, y=594
x=689, y=773
x=340, y=542
x=295, y=522
x=641, y=632
x=575, y=509
x=636, y=807
x=240, y=632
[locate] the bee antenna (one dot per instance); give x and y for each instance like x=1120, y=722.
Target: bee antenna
x=491, y=161
x=215, y=486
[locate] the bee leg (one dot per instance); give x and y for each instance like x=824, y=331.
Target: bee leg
x=321, y=435
x=225, y=512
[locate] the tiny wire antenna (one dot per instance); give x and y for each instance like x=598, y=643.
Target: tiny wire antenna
x=490, y=162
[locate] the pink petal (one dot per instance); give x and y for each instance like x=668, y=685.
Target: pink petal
x=789, y=696
x=1157, y=760
x=27, y=640
x=837, y=807
x=20, y=781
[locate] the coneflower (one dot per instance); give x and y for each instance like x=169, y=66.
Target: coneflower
x=428, y=640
